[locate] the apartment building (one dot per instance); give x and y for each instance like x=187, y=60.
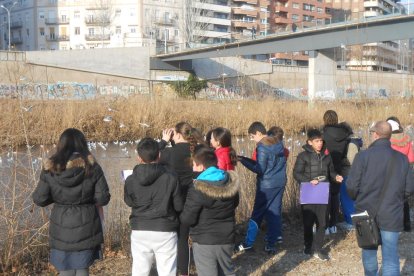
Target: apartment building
x=381, y=56
x=250, y=18
x=76, y=24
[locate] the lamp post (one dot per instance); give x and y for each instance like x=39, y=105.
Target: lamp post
x=8, y=17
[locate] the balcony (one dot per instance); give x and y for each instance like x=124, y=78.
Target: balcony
x=264, y=3
x=97, y=21
x=97, y=37
x=282, y=20
x=57, y=38
x=16, y=24
x=253, y=2
x=165, y=21
x=244, y=24
x=281, y=8
x=252, y=13
x=56, y=21
x=16, y=40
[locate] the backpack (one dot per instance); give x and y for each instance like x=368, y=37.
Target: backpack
x=355, y=144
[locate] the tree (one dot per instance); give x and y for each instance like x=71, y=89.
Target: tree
x=190, y=87
x=194, y=22
x=103, y=16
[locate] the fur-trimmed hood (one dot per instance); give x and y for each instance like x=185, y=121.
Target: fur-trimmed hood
x=227, y=188
x=74, y=172
x=76, y=162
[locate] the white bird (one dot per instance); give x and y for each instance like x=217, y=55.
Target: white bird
x=144, y=124
x=121, y=125
x=107, y=119
x=27, y=108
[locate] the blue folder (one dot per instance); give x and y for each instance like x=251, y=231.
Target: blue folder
x=314, y=194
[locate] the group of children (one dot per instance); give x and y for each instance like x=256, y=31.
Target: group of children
x=191, y=190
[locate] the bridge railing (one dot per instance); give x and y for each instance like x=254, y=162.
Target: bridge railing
x=340, y=18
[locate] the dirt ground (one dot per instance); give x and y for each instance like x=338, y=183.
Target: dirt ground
x=289, y=260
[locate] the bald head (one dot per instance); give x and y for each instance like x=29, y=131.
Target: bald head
x=382, y=129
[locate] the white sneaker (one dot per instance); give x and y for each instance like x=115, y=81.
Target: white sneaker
x=327, y=232
x=333, y=230
x=314, y=229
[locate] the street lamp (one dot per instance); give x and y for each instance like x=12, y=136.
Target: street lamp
x=8, y=17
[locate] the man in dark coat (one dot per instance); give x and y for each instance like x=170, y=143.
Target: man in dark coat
x=365, y=182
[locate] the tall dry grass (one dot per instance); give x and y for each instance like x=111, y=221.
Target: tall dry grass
x=47, y=119
x=23, y=235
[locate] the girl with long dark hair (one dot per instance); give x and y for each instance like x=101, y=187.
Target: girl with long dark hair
x=221, y=142
x=74, y=182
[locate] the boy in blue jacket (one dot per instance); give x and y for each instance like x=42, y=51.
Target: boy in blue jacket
x=270, y=168
x=210, y=211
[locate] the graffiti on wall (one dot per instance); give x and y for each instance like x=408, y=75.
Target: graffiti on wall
x=69, y=90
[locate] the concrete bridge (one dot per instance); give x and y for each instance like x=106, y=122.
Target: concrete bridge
x=319, y=41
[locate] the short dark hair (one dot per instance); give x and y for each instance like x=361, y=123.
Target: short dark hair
x=256, y=127
x=205, y=156
x=276, y=132
x=148, y=150
x=314, y=134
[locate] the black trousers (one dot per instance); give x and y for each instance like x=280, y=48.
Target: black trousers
x=332, y=213
x=407, y=222
x=314, y=214
x=183, y=249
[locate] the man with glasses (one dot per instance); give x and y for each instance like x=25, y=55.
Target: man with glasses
x=365, y=182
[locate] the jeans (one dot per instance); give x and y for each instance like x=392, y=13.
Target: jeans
x=390, y=257
x=268, y=206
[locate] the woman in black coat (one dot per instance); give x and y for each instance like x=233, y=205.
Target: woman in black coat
x=75, y=183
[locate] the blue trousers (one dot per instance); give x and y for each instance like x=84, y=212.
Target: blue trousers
x=390, y=257
x=268, y=206
x=347, y=204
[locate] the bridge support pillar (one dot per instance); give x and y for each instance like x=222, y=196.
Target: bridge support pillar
x=322, y=73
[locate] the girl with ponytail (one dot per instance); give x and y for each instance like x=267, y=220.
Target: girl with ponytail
x=178, y=159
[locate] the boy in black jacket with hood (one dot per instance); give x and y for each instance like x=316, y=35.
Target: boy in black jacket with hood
x=155, y=197
x=210, y=210
x=313, y=165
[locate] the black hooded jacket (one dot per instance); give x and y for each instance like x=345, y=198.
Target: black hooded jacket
x=210, y=210
x=336, y=140
x=155, y=197
x=310, y=164
x=74, y=221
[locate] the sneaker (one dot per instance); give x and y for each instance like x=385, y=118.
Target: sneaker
x=333, y=230
x=321, y=256
x=270, y=249
x=327, y=232
x=279, y=239
x=242, y=247
x=314, y=229
x=307, y=251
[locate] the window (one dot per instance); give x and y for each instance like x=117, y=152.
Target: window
x=77, y=30
x=133, y=30
x=118, y=12
x=76, y=14
x=295, y=5
x=42, y=31
x=320, y=1
x=176, y=32
x=64, y=18
x=295, y=17
x=41, y=15
x=91, y=31
x=27, y=32
x=320, y=10
x=118, y=30
x=263, y=21
x=132, y=13
x=307, y=18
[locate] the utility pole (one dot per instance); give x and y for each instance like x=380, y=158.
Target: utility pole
x=8, y=17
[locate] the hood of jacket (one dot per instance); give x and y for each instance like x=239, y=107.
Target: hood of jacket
x=146, y=174
x=74, y=173
x=272, y=145
x=400, y=139
x=339, y=132
x=226, y=188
